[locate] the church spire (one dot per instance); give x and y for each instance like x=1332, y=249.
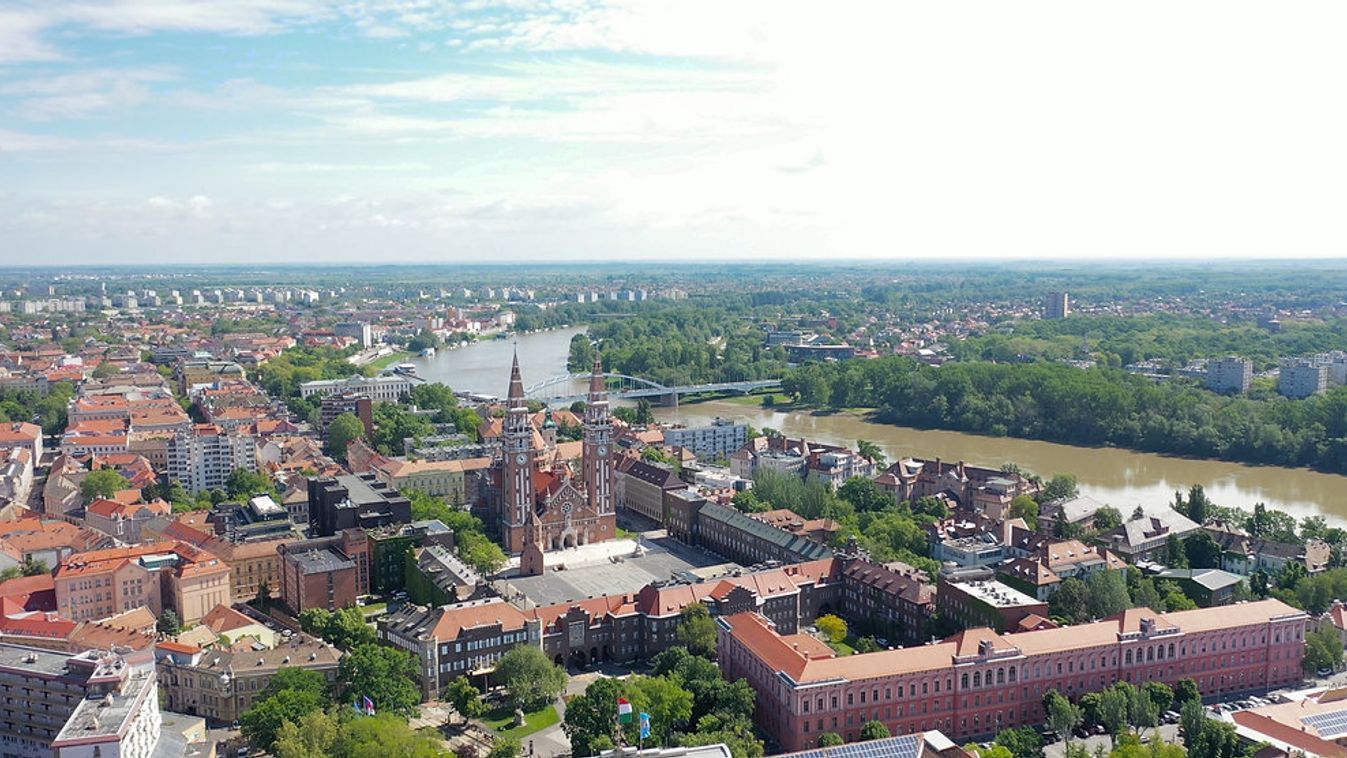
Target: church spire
x=516, y=381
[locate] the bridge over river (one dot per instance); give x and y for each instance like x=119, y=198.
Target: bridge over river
x=564, y=389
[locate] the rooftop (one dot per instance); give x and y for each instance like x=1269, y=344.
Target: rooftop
x=596, y=575
x=997, y=594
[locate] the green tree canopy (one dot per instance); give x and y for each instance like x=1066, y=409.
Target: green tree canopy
x=343, y=430
x=383, y=674
x=102, y=483
x=697, y=630
x=531, y=679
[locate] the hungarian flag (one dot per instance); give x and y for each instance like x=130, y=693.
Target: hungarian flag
x=369, y=706
x=624, y=710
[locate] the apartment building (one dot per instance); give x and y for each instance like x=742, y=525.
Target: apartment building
x=327, y=572
x=91, y=703
x=156, y=575
x=717, y=440
x=22, y=434
x=221, y=684
x=203, y=458
x=979, y=682
x=1302, y=379
x=1230, y=375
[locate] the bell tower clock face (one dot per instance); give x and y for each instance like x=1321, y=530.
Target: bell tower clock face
x=521, y=459
x=603, y=450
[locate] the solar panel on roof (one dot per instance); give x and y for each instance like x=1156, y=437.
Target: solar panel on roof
x=1330, y=725
x=903, y=746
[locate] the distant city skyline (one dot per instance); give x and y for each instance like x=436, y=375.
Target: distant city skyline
x=368, y=131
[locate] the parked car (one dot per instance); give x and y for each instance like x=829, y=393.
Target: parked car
x=1325, y=671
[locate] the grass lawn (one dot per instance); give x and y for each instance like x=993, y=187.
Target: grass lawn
x=388, y=360
x=842, y=648
x=501, y=720
x=373, y=609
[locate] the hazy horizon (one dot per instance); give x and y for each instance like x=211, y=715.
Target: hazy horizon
x=385, y=131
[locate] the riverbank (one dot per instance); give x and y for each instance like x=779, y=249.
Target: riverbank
x=379, y=364
x=1122, y=478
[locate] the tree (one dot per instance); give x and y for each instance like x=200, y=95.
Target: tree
x=1258, y=583
x=262, y=722
x=505, y=746
x=1107, y=518
x=1141, y=710
x=666, y=700
x=242, y=484
x=1216, y=739
x=263, y=599
x=1186, y=692
x=589, y=716
x=1062, y=715
x=868, y=449
x=696, y=630
x=1161, y=694
x=1071, y=601
x=1114, y=703
x=1107, y=594
x=169, y=623
x=832, y=627
x=1026, y=508
x=465, y=698
x=1191, y=718
x=102, y=483
x=313, y=736
x=829, y=739
x=1198, y=507
x=106, y=370
x=478, y=551
x=384, y=734
x=383, y=674
x=874, y=730
x=1023, y=742
x=581, y=354
x=531, y=679
x=864, y=494
x=1060, y=487
x=1202, y=550
x=1175, y=556
x=343, y=430
x=1323, y=649
x=34, y=567
x=297, y=679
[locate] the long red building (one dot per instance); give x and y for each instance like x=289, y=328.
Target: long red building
x=980, y=682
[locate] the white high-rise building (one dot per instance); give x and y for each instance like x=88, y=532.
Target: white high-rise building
x=203, y=458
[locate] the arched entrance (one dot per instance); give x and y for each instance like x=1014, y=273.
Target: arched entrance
x=568, y=541
x=578, y=659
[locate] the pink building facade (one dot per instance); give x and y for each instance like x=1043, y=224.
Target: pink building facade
x=979, y=682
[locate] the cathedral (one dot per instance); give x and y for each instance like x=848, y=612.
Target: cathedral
x=551, y=506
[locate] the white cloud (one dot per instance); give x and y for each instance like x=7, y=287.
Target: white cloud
x=82, y=93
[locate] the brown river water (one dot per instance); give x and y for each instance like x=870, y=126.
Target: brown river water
x=1119, y=477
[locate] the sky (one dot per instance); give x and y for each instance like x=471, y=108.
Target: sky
x=186, y=131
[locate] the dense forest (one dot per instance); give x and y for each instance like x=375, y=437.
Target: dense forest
x=681, y=345
x=1100, y=406
x=1119, y=340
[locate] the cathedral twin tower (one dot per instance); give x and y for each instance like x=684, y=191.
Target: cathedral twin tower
x=544, y=504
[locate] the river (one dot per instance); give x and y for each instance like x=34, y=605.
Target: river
x=484, y=366
x=1119, y=477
